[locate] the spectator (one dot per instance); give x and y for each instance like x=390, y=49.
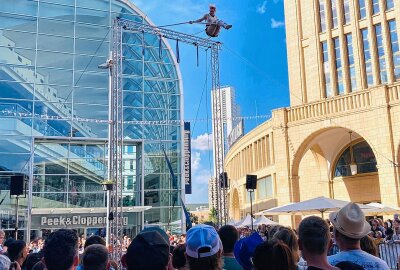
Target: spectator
x=4, y=262
x=389, y=235
x=17, y=252
x=288, y=237
x=368, y=245
x=60, y=250
x=244, y=250
x=203, y=248
x=95, y=257
x=148, y=251
x=349, y=227
x=314, y=241
x=2, y=238
x=178, y=257
x=273, y=230
x=229, y=236
x=6, y=244
x=273, y=255
x=32, y=259
x=94, y=239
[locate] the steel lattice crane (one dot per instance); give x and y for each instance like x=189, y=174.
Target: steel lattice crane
x=116, y=120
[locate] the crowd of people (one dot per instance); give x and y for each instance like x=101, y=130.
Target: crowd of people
x=205, y=248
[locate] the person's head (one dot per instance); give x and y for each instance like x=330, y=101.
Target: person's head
x=228, y=235
x=396, y=217
x=32, y=259
x=4, y=262
x=94, y=239
x=213, y=9
x=39, y=266
x=7, y=243
x=17, y=251
x=178, y=256
x=2, y=236
x=288, y=237
x=378, y=234
x=273, y=255
x=60, y=250
x=314, y=236
x=148, y=251
x=389, y=232
x=273, y=230
x=95, y=257
x=244, y=250
x=368, y=245
x=203, y=248
x=349, y=226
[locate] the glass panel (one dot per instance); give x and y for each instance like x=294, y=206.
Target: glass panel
x=339, y=69
x=362, y=9
x=367, y=57
x=363, y=156
x=334, y=14
x=322, y=15
x=395, y=48
x=264, y=188
x=381, y=53
x=389, y=4
x=350, y=58
x=346, y=8
x=325, y=54
x=375, y=7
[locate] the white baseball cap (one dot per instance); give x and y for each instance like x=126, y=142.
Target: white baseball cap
x=202, y=237
x=212, y=6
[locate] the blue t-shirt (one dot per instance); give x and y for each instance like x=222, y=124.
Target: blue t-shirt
x=368, y=261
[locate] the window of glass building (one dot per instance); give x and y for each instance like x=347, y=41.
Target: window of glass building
x=339, y=68
x=363, y=157
x=346, y=9
x=367, y=57
x=334, y=14
x=322, y=15
x=350, y=58
x=362, y=9
x=265, y=188
x=395, y=48
x=389, y=4
x=381, y=53
x=375, y=7
x=325, y=54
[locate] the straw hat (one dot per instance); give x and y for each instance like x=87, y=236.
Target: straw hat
x=350, y=221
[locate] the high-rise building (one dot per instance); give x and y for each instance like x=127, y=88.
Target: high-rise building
x=54, y=117
x=340, y=136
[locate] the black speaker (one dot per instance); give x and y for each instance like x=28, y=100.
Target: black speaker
x=17, y=185
x=251, y=181
x=223, y=177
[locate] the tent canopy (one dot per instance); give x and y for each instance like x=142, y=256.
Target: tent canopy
x=264, y=220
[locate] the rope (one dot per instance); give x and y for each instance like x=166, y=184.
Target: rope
x=167, y=25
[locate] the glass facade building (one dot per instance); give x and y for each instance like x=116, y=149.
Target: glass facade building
x=54, y=110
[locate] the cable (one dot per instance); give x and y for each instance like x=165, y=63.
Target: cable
x=202, y=94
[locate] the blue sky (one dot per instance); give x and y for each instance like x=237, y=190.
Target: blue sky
x=253, y=60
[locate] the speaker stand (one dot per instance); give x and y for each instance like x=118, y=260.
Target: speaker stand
x=16, y=216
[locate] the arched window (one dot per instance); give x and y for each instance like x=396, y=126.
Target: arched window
x=363, y=157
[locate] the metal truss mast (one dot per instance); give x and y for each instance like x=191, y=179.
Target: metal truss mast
x=116, y=117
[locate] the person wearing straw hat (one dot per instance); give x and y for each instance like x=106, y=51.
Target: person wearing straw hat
x=349, y=226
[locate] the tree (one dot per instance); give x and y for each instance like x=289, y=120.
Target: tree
x=213, y=215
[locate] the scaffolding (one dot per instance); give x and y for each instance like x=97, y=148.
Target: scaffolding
x=116, y=120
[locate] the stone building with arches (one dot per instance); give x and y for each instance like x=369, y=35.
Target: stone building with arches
x=340, y=138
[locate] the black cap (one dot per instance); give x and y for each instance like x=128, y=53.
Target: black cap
x=148, y=251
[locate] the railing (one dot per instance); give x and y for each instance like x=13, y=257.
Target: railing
x=394, y=92
x=334, y=105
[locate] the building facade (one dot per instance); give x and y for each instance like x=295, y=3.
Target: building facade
x=340, y=138
x=54, y=115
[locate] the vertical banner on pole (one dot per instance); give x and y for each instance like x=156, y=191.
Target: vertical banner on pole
x=187, y=158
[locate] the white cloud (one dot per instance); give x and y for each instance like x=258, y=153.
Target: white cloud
x=261, y=8
x=277, y=24
x=196, y=159
x=202, y=142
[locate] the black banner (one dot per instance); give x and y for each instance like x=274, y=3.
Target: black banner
x=187, y=153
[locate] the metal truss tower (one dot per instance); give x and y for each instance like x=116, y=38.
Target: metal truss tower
x=116, y=117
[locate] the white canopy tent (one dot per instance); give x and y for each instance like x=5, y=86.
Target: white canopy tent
x=264, y=220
